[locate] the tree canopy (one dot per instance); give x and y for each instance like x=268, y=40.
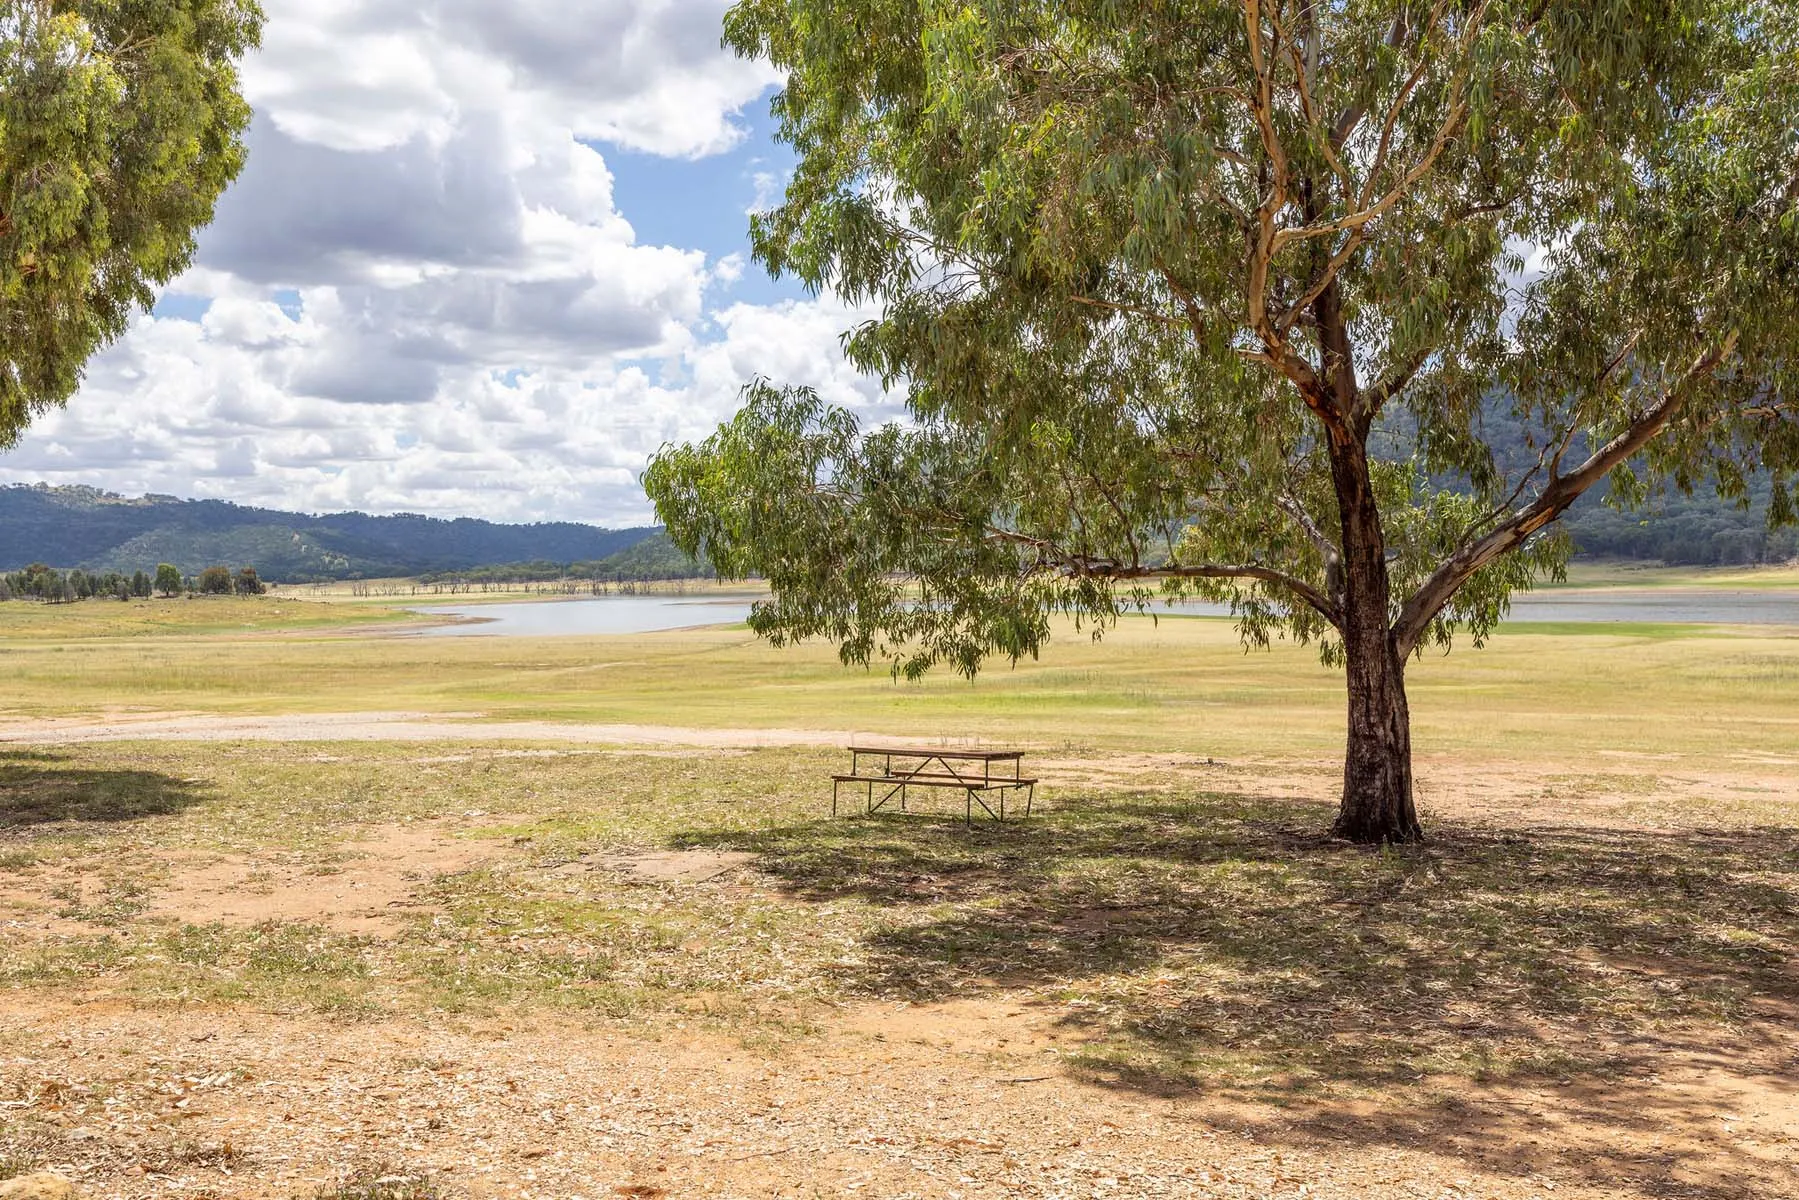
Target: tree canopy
x=1209, y=297
x=120, y=124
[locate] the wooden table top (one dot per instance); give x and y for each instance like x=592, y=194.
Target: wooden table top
x=935, y=752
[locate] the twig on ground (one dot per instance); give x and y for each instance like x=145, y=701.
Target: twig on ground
x=760, y=1154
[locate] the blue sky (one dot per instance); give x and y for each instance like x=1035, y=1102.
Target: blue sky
x=705, y=202
x=484, y=259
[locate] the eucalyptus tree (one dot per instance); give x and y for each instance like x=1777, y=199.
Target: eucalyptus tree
x=1218, y=297
x=120, y=125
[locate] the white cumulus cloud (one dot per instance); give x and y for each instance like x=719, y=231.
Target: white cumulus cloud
x=422, y=294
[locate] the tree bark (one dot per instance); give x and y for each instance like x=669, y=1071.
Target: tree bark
x=1377, y=802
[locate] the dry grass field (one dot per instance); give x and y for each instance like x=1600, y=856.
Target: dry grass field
x=295, y=907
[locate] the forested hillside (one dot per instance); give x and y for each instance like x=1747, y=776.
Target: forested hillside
x=1696, y=530
x=97, y=531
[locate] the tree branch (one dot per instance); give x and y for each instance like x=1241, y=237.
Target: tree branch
x=1437, y=591
x=1131, y=309
x=1369, y=207
x=1326, y=277
x=1196, y=318
x=1376, y=398
x=1299, y=587
x=1084, y=567
x=1351, y=117
x=1327, y=549
x=1276, y=351
x=1304, y=54
x=1372, y=208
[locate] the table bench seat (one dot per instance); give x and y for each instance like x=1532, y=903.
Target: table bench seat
x=935, y=767
x=937, y=780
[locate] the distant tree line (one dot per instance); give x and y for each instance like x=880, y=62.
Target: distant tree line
x=654, y=559
x=51, y=586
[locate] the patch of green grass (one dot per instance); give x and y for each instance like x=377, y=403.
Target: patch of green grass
x=273, y=963
x=186, y=616
x=1644, y=631
x=1180, y=685
x=605, y=943
x=120, y=899
x=1591, y=784
x=288, y=966
x=63, y=962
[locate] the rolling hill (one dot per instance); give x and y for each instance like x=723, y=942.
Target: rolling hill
x=98, y=531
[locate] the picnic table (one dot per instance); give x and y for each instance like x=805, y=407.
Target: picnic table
x=978, y=774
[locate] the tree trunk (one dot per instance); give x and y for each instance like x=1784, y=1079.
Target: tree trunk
x=1377, y=766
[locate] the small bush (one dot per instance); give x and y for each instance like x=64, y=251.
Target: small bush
x=16, y=1163
x=385, y=1182
x=189, y=1153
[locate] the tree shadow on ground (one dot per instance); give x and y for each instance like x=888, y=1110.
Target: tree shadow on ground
x=1217, y=945
x=38, y=789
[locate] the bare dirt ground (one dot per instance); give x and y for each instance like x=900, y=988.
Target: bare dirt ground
x=368, y=891
x=962, y=1099
x=364, y=894
x=1487, y=789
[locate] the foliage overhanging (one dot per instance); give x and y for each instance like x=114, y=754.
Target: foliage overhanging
x=120, y=125
x=1148, y=275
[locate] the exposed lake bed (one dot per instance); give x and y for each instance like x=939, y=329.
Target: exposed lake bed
x=631, y=614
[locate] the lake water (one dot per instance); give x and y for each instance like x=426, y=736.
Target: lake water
x=650, y=614
x=597, y=614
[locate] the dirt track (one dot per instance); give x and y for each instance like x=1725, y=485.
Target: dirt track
x=386, y=727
